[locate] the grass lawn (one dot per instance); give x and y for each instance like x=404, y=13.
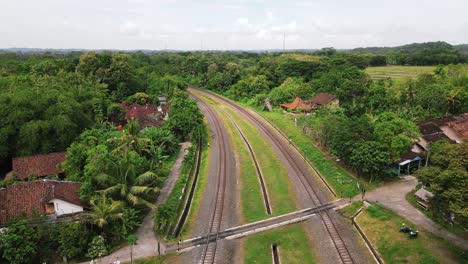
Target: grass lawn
x=398, y=72
x=351, y=209
x=292, y=243
x=342, y=182
x=381, y=226
x=456, y=229
x=199, y=190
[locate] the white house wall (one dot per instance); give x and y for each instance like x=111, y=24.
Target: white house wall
x=63, y=207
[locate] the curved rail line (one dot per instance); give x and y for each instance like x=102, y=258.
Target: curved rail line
x=209, y=252
x=266, y=199
x=330, y=226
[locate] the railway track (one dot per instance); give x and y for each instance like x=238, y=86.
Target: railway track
x=208, y=253
x=301, y=172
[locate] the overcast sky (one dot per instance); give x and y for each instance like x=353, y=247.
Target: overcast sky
x=229, y=24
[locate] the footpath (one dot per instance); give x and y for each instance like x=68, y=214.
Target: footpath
x=147, y=243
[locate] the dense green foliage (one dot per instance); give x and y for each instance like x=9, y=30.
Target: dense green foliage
x=430, y=53
x=447, y=178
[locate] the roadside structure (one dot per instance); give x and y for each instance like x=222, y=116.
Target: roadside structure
x=37, y=166
x=39, y=198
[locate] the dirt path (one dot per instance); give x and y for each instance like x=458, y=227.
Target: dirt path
x=147, y=244
x=393, y=196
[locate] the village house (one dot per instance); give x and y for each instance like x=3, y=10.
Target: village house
x=39, y=198
x=324, y=99
x=297, y=105
x=452, y=129
x=320, y=100
x=146, y=115
x=36, y=166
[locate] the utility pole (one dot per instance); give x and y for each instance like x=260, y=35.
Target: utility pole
x=284, y=41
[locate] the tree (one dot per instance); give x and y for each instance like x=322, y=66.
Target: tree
x=185, y=117
x=19, y=242
x=248, y=87
x=123, y=183
x=447, y=177
x=103, y=212
x=72, y=239
x=370, y=157
x=97, y=248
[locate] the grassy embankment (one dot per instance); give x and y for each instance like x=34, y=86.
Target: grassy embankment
x=398, y=72
x=381, y=226
x=294, y=247
x=341, y=181
x=456, y=229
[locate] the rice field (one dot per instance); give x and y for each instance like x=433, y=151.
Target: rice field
x=398, y=72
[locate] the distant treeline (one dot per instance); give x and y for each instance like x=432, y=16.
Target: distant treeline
x=429, y=53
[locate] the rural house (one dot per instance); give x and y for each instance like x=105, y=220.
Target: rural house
x=41, y=198
x=452, y=129
x=323, y=99
x=320, y=100
x=38, y=165
x=297, y=105
x=146, y=115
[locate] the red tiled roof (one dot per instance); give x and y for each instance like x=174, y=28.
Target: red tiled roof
x=298, y=104
x=32, y=197
x=38, y=165
x=135, y=111
x=460, y=124
x=321, y=99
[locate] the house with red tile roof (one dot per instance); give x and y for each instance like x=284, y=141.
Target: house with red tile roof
x=38, y=165
x=39, y=198
x=146, y=115
x=323, y=99
x=298, y=105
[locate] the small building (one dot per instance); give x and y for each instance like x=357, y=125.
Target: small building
x=409, y=162
x=39, y=198
x=323, y=99
x=297, y=105
x=162, y=100
x=423, y=197
x=38, y=166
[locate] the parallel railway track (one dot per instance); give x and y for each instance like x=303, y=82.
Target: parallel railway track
x=301, y=172
x=208, y=253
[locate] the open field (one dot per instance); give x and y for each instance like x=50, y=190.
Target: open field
x=381, y=226
x=398, y=72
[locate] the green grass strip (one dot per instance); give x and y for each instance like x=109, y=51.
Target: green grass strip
x=293, y=245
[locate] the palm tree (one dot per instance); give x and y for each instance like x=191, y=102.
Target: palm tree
x=103, y=212
x=123, y=183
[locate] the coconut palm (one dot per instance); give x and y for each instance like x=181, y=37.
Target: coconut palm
x=103, y=212
x=123, y=182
